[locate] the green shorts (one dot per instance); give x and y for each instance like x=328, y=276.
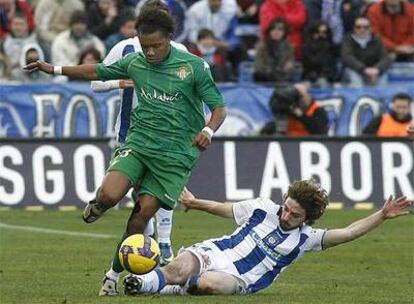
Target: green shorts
x=159, y=177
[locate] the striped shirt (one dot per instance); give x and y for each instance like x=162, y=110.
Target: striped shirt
x=260, y=250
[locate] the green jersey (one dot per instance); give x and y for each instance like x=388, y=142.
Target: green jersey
x=170, y=109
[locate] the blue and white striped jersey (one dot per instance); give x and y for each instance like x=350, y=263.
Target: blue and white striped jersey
x=260, y=249
x=129, y=99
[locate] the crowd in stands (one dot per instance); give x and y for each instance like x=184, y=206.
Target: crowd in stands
x=321, y=42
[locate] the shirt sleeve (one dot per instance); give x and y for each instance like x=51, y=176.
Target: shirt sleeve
x=117, y=70
x=114, y=55
x=206, y=86
x=314, y=241
x=243, y=211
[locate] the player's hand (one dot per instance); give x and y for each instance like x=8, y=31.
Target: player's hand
x=396, y=207
x=202, y=140
x=39, y=66
x=185, y=199
x=126, y=83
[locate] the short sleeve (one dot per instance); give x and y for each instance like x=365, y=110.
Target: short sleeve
x=117, y=70
x=242, y=211
x=314, y=241
x=206, y=86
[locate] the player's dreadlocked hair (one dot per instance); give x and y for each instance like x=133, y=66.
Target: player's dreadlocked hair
x=153, y=19
x=311, y=196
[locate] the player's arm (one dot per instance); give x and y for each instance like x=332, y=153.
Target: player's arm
x=105, y=86
x=203, y=139
x=115, y=54
x=208, y=91
x=391, y=209
x=84, y=71
x=189, y=201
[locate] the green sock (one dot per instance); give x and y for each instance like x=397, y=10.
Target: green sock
x=116, y=264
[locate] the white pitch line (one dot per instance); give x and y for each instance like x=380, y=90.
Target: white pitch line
x=54, y=231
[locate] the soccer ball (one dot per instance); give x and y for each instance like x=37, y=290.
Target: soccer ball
x=139, y=254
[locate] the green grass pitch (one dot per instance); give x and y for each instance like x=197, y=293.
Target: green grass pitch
x=43, y=268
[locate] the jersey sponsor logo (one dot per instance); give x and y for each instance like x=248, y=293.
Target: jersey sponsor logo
x=154, y=95
x=183, y=73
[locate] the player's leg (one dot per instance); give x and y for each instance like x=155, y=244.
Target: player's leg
x=164, y=227
x=113, y=188
x=124, y=170
x=215, y=283
x=137, y=222
x=150, y=229
x=177, y=272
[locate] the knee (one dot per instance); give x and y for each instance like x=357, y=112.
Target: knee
x=108, y=197
x=174, y=274
x=207, y=287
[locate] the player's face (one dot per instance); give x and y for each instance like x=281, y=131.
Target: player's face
x=155, y=46
x=293, y=215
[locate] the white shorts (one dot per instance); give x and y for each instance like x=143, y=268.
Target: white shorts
x=212, y=258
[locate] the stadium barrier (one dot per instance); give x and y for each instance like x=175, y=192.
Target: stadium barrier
x=73, y=110
x=356, y=172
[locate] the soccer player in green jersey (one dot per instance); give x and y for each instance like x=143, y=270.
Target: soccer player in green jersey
x=169, y=129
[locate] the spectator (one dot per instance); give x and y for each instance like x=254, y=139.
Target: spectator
x=68, y=45
x=248, y=11
x=104, y=17
x=274, y=60
x=8, y=8
x=364, y=56
x=394, y=123
x=319, y=55
x=53, y=17
x=218, y=16
x=30, y=53
x=339, y=15
x=126, y=30
x=393, y=22
x=293, y=11
x=4, y=68
x=90, y=56
x=15, y=40
x=212, y=55
x=296, y=113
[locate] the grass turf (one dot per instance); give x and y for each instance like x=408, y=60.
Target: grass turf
x=49, y=268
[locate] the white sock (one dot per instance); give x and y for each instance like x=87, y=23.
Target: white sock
x=113, y=274
x=153, y=282
x=164, y=225
x=173, y=290
x=149, y=229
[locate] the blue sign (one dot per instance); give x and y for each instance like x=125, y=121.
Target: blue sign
x=74, y=110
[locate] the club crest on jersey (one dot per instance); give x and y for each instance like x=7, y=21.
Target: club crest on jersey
x=273, y=239
x=182, y=73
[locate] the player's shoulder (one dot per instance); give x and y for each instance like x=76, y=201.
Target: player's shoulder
x=179, y=46
x=266, y=204
x=130, y=41
x=190, y=59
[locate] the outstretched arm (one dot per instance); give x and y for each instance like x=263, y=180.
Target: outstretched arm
x=84, y=71
x=391, y=209
x=189, y=201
